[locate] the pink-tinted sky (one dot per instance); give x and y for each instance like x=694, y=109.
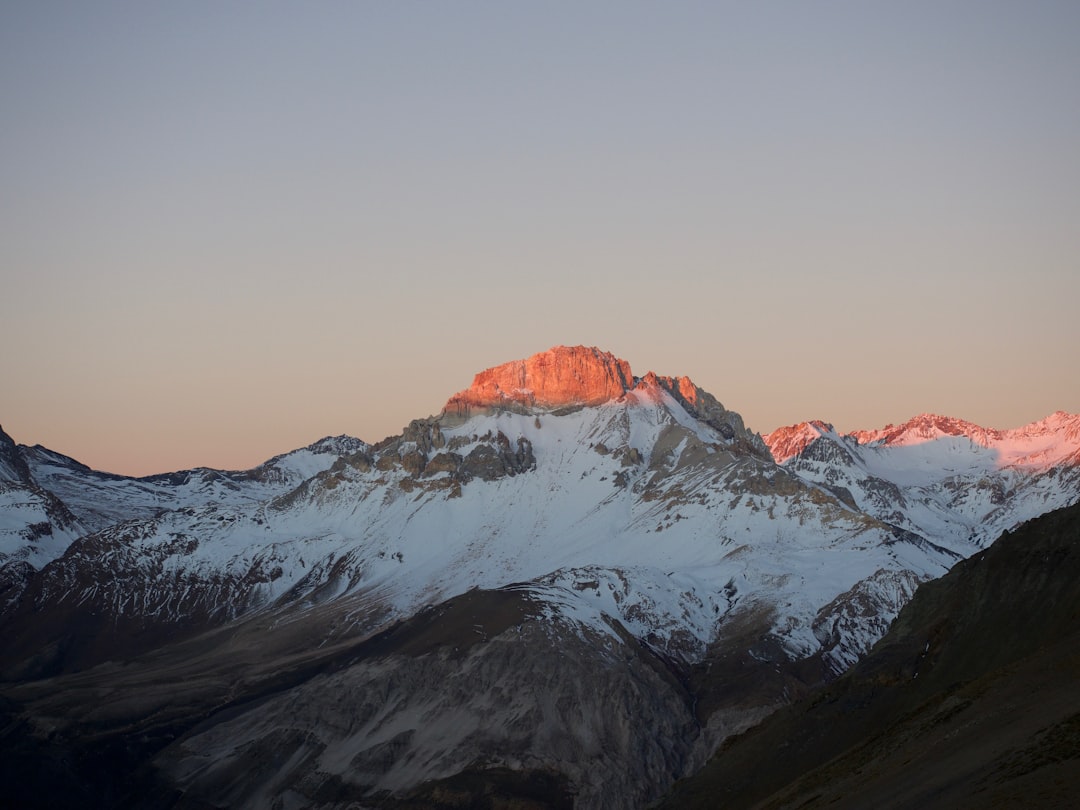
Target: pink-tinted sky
x=229, y=229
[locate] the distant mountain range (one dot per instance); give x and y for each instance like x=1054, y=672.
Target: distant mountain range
x=943, y=478
x=569, y=588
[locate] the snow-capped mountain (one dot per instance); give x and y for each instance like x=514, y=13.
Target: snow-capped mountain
x=559, y=506
x=940, y=477
x=642, y=496
x=48, y=500
x=35, y=525
x=101, y=499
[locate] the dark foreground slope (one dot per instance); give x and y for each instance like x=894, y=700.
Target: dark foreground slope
x=971, y=700
x=491, y=699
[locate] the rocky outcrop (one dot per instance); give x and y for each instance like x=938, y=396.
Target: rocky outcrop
x=491, y=461
x=704, y=407
x=560, y=377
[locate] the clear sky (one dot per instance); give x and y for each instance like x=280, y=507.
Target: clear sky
x=230, y=228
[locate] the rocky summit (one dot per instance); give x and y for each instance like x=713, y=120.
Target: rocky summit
x=568, y=589
x=560, y=377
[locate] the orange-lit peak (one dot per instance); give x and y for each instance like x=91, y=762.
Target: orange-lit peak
x=569, y=376
x=926, y=427
x=559, y=377
x=682, y=388
x=785, y=442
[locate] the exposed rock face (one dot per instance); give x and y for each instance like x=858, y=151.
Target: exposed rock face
x=480, y=682
x=13, y=467
x=704, y=406
x=560, y=377
x=489, y=462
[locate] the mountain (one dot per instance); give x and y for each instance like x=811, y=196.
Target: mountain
x=48, y=500
x=939, y=477
x=101, y=499
x=35, y=525
x=570, y=586
x=969, y=701
x=654, y=496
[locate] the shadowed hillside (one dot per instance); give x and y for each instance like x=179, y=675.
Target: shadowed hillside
x=970, y=700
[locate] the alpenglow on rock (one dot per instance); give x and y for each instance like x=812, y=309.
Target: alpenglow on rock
x=559, y=377
x=583, y=376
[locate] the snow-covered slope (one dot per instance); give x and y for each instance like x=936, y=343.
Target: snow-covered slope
x=944, y=478
x=99, y=500
x=35, y=526
x=48, y=500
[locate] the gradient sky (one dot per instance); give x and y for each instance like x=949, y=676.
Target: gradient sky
x=229, y=229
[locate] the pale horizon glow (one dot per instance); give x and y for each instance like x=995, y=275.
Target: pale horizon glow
x=227, y=231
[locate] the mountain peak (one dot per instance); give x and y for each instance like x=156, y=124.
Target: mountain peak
x=928, y=426
x=560, y=377
x=582, y=376
x=785, y=442
x=1067, y=424
x=12, y=466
